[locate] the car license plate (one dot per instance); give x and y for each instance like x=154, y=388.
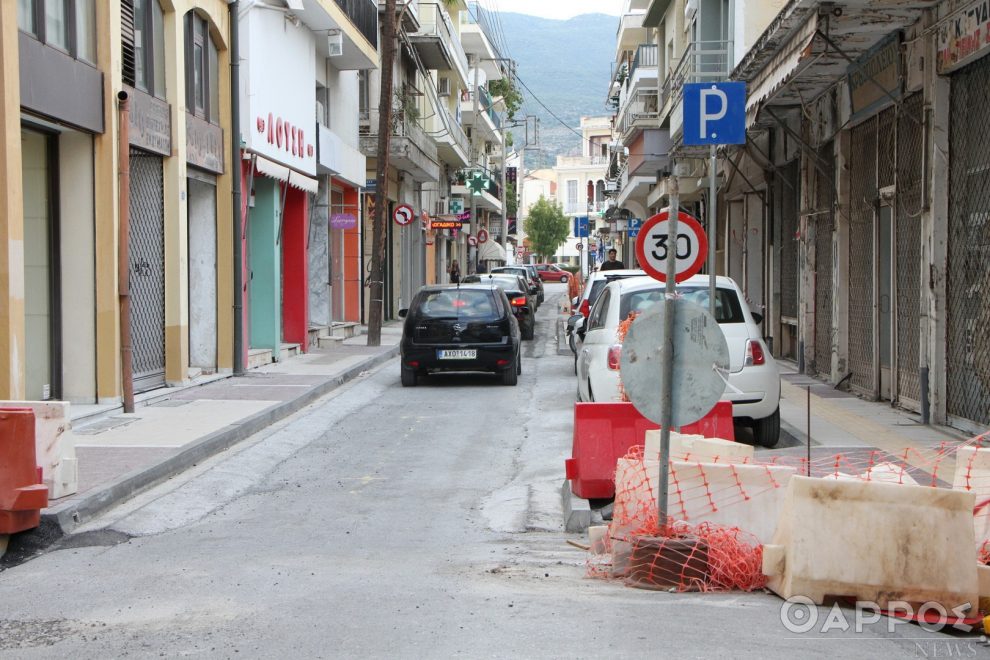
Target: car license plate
x=458, y=354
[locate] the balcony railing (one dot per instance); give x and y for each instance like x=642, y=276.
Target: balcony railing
x=364, y=15
x=457, y=133
x=401, y=127
x=646, y=56
x=643, y=110
x=435, y=21
x=485, y=104
x=702, y=61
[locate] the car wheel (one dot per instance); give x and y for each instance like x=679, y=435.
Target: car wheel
x=529, y=333
x=563, y=280
x=766, y=431
x=591, y=394
x=519, y=365
x=575, y=364
x=510, y=376
x=409, y=377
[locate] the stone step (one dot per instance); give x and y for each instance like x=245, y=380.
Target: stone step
x=317, y=331
x=259, y=357
x=289, y=350
x=329, y=341
x=345, y=330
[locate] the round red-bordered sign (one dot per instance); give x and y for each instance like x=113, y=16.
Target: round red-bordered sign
x=482, y=235
x=472, y=240
x=651, y=246
x=403, y=214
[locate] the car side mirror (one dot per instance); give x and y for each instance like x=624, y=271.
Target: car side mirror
x=575, y=301
x=403, y=313
x=757, y=317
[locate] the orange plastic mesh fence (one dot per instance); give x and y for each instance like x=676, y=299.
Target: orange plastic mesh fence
x=705, y=545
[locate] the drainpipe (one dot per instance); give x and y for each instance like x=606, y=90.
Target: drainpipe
x=235, y=166
x=123, y=250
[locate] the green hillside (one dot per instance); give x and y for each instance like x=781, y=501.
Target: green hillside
x=567, y=64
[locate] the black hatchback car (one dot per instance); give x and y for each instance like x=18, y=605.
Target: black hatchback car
x=467, y=327
x=522, y=302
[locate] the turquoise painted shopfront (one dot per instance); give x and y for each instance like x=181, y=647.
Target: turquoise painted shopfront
x=264, y=254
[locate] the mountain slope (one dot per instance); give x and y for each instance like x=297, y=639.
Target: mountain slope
x=567, y=65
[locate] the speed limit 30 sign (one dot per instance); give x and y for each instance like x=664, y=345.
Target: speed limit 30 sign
x=653, y=249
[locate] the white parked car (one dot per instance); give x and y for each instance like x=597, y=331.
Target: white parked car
x=754, y=380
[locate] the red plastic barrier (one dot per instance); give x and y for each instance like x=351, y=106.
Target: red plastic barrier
x=604, y=432
x=22, y=497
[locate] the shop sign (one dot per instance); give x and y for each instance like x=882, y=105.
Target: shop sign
x=343, y=221
x=150, y=123
x=457, y=205
x=447, y=222
x=204, y=144
x=963, y=36
x=875, y=79
x=279, y=109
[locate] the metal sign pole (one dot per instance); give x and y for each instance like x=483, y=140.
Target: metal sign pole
x=667, y=352
x=712, y=236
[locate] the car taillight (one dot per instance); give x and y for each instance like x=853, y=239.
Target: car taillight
x=614, y=356
x=585, y=308
x=754, y=354
x=519, y=301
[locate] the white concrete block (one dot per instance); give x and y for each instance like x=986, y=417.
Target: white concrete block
x=698, y=448
x=873, y=541
x=972, y=474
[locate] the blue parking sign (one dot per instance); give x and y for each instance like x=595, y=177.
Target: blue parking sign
x=633, y=227
x=581, y=226
x=714, y=113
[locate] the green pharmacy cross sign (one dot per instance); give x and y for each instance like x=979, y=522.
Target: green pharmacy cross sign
x=477, y=182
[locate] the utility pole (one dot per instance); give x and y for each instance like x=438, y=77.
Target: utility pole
x=377, y=276
x=476, y=157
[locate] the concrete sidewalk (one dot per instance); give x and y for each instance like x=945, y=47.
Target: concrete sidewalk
x=121, y=454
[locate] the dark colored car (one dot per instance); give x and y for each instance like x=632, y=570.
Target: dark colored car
x=535, y=274
x=522, y=302
x=535, y=284
x=460, y=328
x=552, y=273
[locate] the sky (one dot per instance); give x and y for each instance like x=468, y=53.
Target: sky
x=561, y=9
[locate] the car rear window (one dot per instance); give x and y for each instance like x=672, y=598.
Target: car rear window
x=458, y=303
x=727, y=307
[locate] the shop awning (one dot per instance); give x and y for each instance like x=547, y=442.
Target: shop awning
x=783, y=66
x=282, y=173
x=491, y=251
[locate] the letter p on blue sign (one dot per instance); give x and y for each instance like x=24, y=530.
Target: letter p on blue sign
x=714, y=113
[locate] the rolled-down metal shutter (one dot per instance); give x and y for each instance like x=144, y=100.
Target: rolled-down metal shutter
x=863, y=195
x=968, y=283
x=824, y=223
x=147, y=274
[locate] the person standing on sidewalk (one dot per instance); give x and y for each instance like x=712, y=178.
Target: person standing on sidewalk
x=454, y=271
x=612, y=263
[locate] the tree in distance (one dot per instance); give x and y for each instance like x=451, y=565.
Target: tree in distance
x=547, y=227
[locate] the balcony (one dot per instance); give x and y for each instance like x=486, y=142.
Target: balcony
x=642, y=111
x=364, y=15
x=438, y=44
x=411, y=149
x=491, y=122
x=409, y=11
x=453, y=145
x=702, y=61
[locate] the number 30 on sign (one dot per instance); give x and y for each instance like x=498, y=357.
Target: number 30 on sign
x=653, y=248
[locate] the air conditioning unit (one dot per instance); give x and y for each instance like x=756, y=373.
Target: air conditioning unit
x=611, y=186
x=443, y=86
x=335, y=43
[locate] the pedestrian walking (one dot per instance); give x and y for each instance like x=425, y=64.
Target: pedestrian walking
x=455, y=272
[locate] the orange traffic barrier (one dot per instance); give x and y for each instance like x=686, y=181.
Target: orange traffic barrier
x=22, y=495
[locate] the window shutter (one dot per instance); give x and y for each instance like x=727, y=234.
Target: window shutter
x=127, y=41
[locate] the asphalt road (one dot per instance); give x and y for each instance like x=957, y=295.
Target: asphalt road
x=386, y=522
